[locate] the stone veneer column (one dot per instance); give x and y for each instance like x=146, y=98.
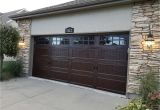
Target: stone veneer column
x=24, y=53
x=139, y=58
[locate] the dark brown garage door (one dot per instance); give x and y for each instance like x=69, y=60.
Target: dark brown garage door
x=98, y=60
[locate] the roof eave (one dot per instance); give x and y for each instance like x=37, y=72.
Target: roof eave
x=69, y=10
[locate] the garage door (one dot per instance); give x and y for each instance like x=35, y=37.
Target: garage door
x=94, y=60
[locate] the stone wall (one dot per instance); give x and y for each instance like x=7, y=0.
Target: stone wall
x=24, y=53
x=140, y=58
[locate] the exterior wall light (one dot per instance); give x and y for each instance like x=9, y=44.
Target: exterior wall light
x=21, y=43
x=149, y=40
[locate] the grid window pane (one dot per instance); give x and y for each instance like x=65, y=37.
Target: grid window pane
x=115, y=42
x=112, y=40
x=42, y=40
x=84, y=40
x=60, y=41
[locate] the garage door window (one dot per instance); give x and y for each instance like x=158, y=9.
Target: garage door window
x=42, y=40
x=112, y=40
x=60, y=41
x=84, y=40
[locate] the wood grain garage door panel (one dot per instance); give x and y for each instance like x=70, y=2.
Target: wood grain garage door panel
x=111, y=85
x=83, y=52
x=98, y=61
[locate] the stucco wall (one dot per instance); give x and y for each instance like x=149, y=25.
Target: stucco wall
x=115, y=18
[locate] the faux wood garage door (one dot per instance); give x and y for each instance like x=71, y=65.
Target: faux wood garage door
x=95, y=60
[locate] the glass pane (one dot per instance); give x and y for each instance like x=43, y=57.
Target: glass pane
x=54, y=38
x=85, y=42
x=54, y=42
x=91, y=42
x=76, y=41
x=122, y=42
x=59, y=39
x=43, y=40
x=67, y=42
x=80, y=42
x=102, y=38
x=91, y=38
x=121, y=38
x=58, y=42
x=102, y=42
x=116, y=42
x=115, y=38
x=108, y=41
x=85, y=38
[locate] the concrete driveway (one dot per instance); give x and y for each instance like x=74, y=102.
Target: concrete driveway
x=38, y=94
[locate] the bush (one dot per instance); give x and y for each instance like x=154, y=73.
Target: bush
x=149, y=98
x=12, y=69
x=135, y=104
x=154, y=99
x=148, y=84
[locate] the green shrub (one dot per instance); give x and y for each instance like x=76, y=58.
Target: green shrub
x=6, y=76
x=12, y=69
x=135, y=104
x=149, y=97
x=148, y=84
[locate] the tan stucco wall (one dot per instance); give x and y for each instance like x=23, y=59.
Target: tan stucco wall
x=108, y=19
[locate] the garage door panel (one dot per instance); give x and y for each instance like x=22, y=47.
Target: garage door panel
x=112, y=62
x=41, y=71
x=98, y=60
x=82, y=73
x=62, y=70
x=42, y=50
x=118, y=70
x=111, y=77
x=42, y=60
x=83, y=52
x=82, y=80
x=60, y=51
x=59, y=75
x=82, y=66
x=112, y=54
x=59, y=63
x=111, y=85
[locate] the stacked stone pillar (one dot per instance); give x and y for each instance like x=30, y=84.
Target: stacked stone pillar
x=144, y=13
x=24, y=52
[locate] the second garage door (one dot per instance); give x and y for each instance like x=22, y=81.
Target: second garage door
x=95, y=60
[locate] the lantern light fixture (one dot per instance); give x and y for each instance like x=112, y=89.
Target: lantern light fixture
x=149, y=40
x=21, y=42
